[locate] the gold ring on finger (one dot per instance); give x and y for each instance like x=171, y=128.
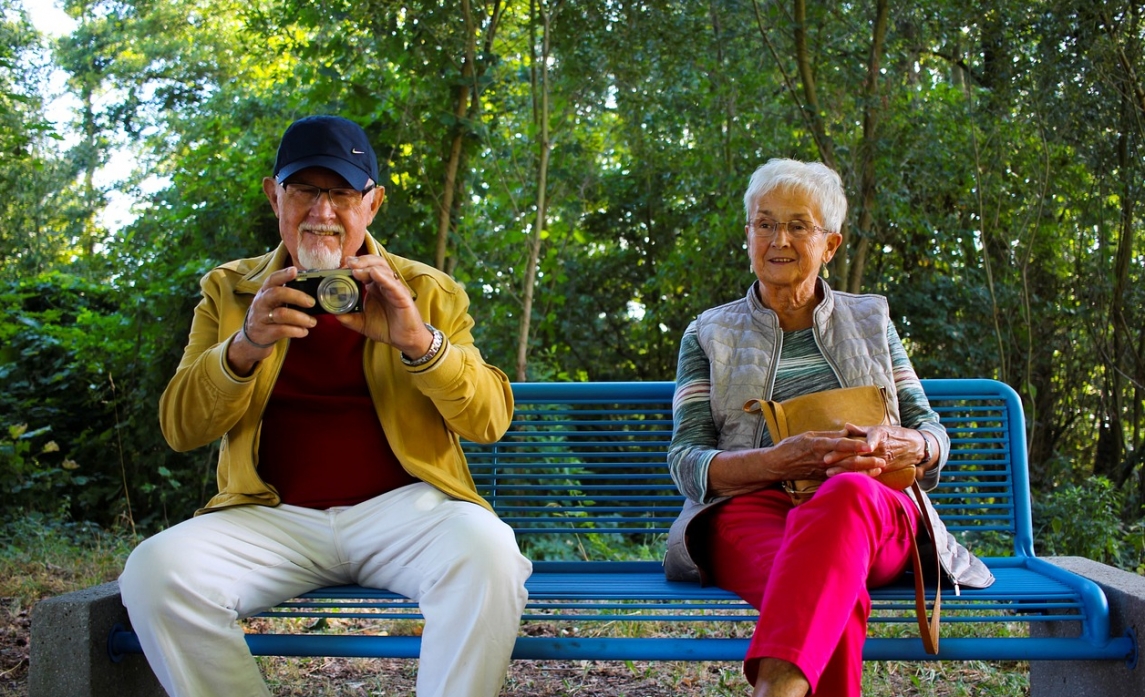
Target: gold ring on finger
x=270, y=317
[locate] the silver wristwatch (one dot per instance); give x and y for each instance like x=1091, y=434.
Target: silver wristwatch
x=434, y=348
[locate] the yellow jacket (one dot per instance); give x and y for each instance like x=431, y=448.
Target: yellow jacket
x=423, y=410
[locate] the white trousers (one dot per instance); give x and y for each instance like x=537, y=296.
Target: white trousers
x=186, y=588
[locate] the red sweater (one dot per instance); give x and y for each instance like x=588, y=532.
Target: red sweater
x=321, y=443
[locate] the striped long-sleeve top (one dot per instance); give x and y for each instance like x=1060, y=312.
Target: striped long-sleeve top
x=802, y=369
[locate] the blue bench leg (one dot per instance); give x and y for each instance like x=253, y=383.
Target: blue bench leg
x=69, y=655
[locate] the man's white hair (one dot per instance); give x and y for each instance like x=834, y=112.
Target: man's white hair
x=816, y=180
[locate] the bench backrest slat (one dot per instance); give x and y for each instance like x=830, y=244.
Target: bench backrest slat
x=591, y=458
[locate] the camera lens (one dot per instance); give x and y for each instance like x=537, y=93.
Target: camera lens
x=337, y=294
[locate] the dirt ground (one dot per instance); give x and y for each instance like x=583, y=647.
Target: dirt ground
x=15, y=628
x=384, y=677
x=370, y=678
x=329, y=677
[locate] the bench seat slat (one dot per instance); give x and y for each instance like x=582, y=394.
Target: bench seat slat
x=667, y=648
x=645, y=581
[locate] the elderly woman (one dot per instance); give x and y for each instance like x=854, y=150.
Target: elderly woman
x=807, y=568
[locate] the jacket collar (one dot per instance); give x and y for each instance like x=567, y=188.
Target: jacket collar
x=826, y=305
x=763, y=313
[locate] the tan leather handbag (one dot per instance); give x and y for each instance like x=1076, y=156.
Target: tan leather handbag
x=830, y=410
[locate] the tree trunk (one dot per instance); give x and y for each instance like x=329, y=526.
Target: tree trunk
x=720, y=81
x=810, y=93
x=541, y=94
x=466, y=107
x=868, y=148
x=1111, y=441
x=453, y=164
x=823, y=142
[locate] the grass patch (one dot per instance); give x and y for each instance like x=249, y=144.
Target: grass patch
x=41, y=557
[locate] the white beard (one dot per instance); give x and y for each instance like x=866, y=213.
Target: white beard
x=315, y=252
x=319, y=258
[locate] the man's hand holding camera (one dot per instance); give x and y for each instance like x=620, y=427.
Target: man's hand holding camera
x=269, y=319
x=389, y=315
x=279, y=311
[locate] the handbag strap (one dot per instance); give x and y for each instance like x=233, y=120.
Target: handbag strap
x=776, y=420
x=927, y=630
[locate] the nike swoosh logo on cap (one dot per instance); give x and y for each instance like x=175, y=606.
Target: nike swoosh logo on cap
x=355, y=151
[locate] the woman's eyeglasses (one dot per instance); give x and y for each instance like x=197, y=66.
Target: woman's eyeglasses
x=796, y=229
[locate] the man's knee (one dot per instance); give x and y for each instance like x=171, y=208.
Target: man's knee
x=159, y=570
x=489, y=552
x=146, y=575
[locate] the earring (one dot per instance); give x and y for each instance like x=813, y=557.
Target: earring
x=826, y=271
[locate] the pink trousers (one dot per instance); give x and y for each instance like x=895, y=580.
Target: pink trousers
x=808, y=570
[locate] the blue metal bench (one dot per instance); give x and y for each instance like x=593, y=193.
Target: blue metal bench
x=583, y=470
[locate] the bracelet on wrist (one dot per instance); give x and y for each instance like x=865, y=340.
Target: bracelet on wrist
x=925, y=451
x=246, y=337
x=434, y=349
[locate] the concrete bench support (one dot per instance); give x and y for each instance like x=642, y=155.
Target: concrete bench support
x=1126, y=594
x=69, y=649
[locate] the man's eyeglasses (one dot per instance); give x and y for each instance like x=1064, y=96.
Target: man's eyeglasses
x=306, y=195
x=796, y=229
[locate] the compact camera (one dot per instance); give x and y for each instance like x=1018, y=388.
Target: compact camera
x=336, y=291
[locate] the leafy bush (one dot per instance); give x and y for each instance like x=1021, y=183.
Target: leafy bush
x=52, y=386
x=1087, y=520
x=31, y=473
x=83, y=364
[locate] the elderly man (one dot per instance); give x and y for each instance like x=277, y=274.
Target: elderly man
x=340, y=459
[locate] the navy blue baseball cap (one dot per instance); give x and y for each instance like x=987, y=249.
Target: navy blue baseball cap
x=332, y=142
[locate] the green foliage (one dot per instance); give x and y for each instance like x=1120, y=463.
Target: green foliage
x=1005, y=227
x=72, y=366
x=29, y=480
x=592, y=546
x=52, y=386
x=36, y=216
x=1087, y=520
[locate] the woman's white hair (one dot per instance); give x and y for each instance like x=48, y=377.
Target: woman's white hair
x=813, y=179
